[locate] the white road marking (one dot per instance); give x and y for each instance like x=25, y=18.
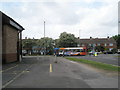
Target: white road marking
x=8, y=68
x=73, y=62
x=9, y=82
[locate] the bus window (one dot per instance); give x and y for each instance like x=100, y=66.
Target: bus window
x=78, y=50
x=82, y=50
x=74, y=50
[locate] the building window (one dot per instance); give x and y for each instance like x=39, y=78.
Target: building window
x=78, y=45
x=110, y=49
x=98, y=44
x=105, y=44
x=83, y=45
x=90, y=45
x=111, y=44
x=94, y=44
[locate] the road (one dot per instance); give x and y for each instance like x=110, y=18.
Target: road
x=104, y=58
x=44, y=72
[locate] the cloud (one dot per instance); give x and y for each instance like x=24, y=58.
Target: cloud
x=99, y=22
x=94, y=18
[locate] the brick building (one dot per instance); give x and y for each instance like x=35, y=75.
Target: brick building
x=11, y=39
x=108, y=43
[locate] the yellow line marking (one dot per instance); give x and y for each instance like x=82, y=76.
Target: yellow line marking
x=50, y=67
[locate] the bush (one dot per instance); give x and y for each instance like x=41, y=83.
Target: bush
x=114, y=50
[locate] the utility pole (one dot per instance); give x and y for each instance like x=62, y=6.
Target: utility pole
x=79, y=38
x=44, y=40
x=44, y=29
x=79, y=34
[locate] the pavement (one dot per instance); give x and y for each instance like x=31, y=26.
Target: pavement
x=44, y=72
x=104, y=58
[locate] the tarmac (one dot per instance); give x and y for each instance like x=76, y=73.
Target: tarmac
x=51, y=72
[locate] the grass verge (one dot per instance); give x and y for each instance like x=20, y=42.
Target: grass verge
x=119, y=56
x=96, y=64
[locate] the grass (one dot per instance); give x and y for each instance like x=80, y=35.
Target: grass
x=96, y=64
x=36, y=55
x=119, y=56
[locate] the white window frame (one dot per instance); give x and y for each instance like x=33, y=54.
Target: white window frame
x=83, y=45
x=110, y=44
x=98, y=44
x=105, y=44
x=94, y=44
x=90, y=44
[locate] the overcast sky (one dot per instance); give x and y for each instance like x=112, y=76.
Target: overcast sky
x=95, y=18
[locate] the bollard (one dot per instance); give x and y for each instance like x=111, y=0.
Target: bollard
x=20, y=58
x=55, y=58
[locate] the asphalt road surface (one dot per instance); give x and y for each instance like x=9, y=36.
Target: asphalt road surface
x=44, y=72
x=104, y=58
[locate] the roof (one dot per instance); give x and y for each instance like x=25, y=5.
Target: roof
x=98, y=40
x=7, y=20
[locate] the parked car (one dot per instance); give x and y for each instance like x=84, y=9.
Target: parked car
x=118, y=51
x=24, y=52
x=92, y=53
x=61, y=53
x=108, y=52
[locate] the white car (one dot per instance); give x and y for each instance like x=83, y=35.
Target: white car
x=24, y=52
x=60, y=53
x=90, y=53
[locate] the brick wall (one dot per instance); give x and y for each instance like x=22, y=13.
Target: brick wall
x=10, y=37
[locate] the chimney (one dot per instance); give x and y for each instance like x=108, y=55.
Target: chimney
x=90, y=38
x=108, y=37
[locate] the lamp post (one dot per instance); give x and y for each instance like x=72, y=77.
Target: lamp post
x=79, y=39
x=44, y=40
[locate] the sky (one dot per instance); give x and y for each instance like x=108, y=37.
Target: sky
x=84, y=18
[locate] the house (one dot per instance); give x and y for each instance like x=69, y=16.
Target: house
x=11, y=39
x=108, y=43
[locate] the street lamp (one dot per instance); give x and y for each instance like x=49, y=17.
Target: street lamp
x=44, y=39
x=79, y=39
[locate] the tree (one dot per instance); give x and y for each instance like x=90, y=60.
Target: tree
x=114, y=50
x=106, y=49
x=117, y=39
x=89, y=48
x=67, y=40
x=99, y=48
x=56, y=43
x=27, y=44
x=46, y=44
